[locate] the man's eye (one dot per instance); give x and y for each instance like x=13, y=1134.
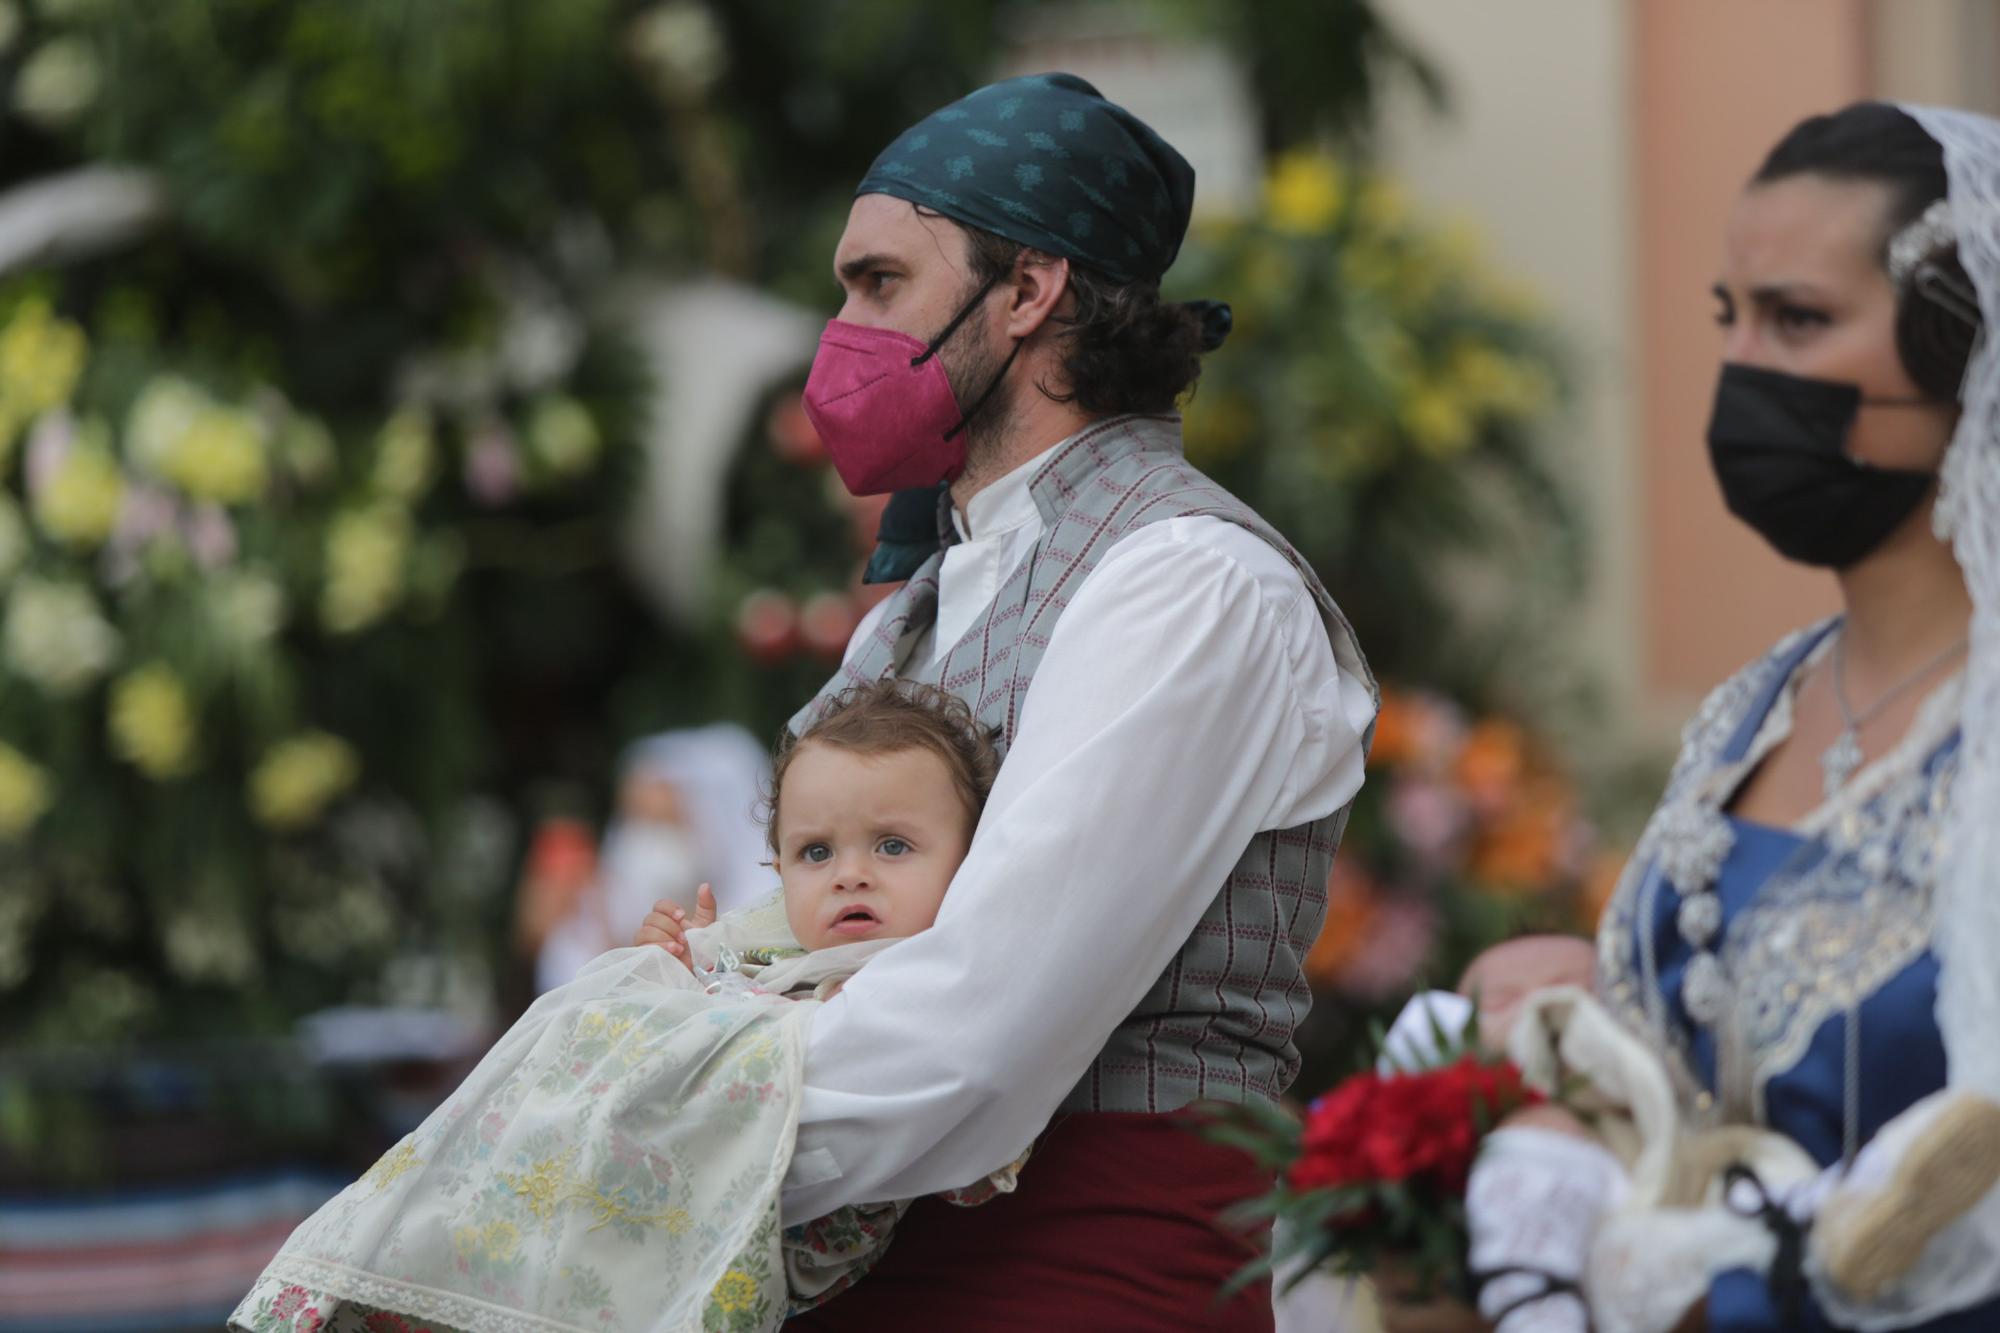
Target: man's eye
x=894, y=847
x=815, y=853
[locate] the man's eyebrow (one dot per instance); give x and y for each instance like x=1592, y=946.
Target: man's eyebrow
x=854, y=268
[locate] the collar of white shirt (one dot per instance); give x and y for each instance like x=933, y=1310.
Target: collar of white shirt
x=1003, y=504
x=997, y=529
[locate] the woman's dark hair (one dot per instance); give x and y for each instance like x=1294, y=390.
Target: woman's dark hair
x=1128, y=350
x=1874, y=141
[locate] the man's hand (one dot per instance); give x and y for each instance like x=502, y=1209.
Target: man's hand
x=667, y=925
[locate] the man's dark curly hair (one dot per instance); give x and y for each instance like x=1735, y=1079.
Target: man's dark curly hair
x=1128, y=351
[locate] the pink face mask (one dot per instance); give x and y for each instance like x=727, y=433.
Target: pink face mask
x=884, y=409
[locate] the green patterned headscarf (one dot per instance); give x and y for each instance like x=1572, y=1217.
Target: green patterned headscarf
x=1045, y=161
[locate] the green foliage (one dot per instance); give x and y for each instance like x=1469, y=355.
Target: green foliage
x=1383, y=400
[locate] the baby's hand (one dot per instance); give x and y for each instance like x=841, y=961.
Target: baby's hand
x=667, y=925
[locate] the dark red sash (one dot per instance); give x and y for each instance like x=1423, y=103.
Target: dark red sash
x=1112, y=1228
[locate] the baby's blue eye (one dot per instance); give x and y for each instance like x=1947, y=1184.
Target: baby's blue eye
x=893, y=847
x=816, y=853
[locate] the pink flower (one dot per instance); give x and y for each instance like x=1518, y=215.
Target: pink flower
x=1428, y=818
x=1396, y=947
x=49, y=445
x=290, y=1301
x=493, y=465
x=211, y=536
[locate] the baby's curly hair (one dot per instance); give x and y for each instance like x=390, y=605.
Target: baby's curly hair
x=886, y=716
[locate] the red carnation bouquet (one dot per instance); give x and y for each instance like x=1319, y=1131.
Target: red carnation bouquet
x=1375, y=1175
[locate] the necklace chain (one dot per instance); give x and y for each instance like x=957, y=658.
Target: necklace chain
x=1845, y=755
x=1895, y=692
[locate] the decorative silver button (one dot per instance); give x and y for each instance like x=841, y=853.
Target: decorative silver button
x=1695, y=839
x=1699, y=918
x=1705, y=990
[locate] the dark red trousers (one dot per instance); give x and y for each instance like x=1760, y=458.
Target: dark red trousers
x=1112, y=1228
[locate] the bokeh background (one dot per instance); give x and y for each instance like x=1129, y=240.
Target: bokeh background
x=398, y=422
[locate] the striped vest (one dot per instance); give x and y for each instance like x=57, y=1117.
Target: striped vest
x=1219, y=1020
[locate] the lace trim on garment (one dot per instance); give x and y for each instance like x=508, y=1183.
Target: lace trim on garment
x=1831, y=930
x=1848, y=914
x=1967, y=932
x=1623, y=934
x=404, y=1298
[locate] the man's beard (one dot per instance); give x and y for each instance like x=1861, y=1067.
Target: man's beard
x=971, y=365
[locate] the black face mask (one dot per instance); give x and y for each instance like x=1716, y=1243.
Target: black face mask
x=1779, y=447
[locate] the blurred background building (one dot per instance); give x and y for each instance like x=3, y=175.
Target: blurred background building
x=407, y=521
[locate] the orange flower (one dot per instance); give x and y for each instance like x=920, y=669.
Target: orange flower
x=1351, y=909
x=1491, y=764
x=1397, y=728
x=1520, y=850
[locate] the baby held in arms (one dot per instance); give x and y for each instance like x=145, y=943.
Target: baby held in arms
x=617, y=1159
x=872, y=811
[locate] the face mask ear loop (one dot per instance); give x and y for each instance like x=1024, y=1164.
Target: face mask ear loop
x=965, y=310
x=1941, y=289
x=999, y=375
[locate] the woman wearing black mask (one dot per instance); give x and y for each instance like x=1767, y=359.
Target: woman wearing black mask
x=1808, y=935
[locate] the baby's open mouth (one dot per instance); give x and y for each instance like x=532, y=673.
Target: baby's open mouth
x=856, y=919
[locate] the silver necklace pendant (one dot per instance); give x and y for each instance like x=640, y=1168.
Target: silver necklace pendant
x=1839, y=762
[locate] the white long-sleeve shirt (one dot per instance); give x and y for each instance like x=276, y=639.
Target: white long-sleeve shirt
x=1189, y=699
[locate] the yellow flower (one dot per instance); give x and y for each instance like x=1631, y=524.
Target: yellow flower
x=24, y=793
x=1436, y=419
x=1493, y=381
x=80, y=503
x=1303, y=193
x=308, y=450
x=58, y=82
x=366, y=553
x=296, y=780
x=735, y=1290
x=152, y=722
x=54, y=635
x=391, y=1166
x=164, y=410
x=41, y=359
x=501, y=1241
x=219, y=457
x=563, y=435
x=404, y=456
x=545, y=1186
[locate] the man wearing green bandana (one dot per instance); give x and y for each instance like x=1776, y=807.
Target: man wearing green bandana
x=1183, y=714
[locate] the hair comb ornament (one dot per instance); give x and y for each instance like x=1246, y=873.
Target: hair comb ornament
x=1912, y=252
x=1918, y=240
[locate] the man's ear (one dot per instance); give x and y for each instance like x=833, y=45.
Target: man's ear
x=1037, y=288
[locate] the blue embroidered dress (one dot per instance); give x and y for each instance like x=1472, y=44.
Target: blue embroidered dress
x=1785, y=975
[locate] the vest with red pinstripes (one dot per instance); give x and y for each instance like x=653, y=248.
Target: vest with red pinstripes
x=1219, y=1021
